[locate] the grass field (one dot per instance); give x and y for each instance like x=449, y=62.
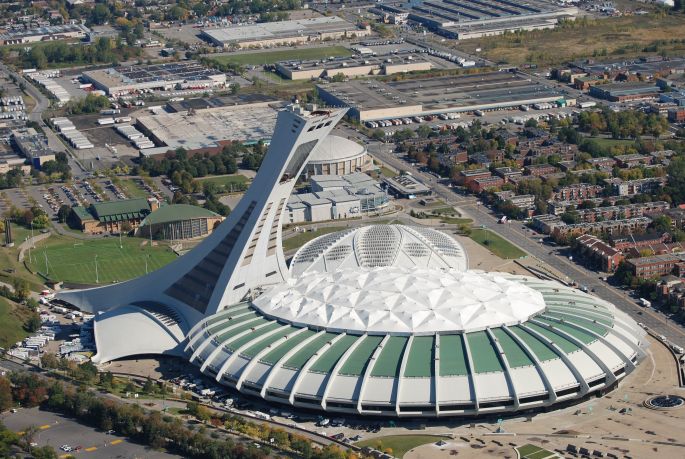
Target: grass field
x=605, y=38
x=12, y=318
x=73, y=260
x=608, y=143
x=399, y=444
x=269, y=57
x=132, y=189
x=226, y=180
x=300, y=239
x=529, y=451
x=496, y=244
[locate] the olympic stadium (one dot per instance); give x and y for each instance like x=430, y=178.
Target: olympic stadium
x=386, y=320
x=382, y=320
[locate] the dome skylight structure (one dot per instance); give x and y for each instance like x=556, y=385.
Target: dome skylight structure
x=379, y=246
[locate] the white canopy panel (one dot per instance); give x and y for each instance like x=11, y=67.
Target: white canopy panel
x=398, y=299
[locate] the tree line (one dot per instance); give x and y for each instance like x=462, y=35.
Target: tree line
x=148, y=427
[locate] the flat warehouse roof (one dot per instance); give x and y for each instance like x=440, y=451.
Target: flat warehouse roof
x=205, y=128
x=271, y=30
x=441, y=93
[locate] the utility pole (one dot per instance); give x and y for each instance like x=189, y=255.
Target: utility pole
x=97, y=277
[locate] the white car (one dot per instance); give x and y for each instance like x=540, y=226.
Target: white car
x=66, y=448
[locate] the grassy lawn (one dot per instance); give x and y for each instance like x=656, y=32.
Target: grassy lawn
x=12, y=318
x=399, y=444
x=496, y=244
x=456, y=220
x=608, y=143
x=10, y=268
x=300, y=239
x=73, y=260
x=131, y=188
x=604, y=38
x=529, y=451
x=387, y=172
x=227, y=180
x=269, y=57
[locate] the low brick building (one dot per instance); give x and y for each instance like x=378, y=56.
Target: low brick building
x=655, y=266
x=599, y=253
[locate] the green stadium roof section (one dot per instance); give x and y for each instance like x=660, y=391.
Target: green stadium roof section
x=127, y=209
x=177, y=212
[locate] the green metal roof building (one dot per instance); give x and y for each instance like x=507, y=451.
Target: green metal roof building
x=179, y=221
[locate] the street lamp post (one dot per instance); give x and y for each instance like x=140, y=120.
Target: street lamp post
x=97, y=277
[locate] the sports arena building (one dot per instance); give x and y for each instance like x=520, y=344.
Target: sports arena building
x=380, y=320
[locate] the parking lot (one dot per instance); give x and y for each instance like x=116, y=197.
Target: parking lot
x=56, y=430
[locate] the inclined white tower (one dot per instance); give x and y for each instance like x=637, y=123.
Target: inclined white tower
x=243, y=253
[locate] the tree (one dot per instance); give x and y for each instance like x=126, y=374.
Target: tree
x=378, y=134
x=6, y=401
x=21, y=289
x=41, y=221
x=662, y=224
x=33, y=323
x=676, y=180
x=63, y=213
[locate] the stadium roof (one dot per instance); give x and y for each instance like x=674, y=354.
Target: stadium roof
x=380, y=245
x=177, y=212
x=574, y=345
x=335, y=148
x=394, y=299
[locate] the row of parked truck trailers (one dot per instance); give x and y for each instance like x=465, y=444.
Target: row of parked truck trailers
x=72, y=135
x=412, y=120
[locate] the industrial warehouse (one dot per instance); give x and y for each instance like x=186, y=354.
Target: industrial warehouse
x=372, y=100
x=123, y=80
x=284, y=32
x=381, y=320
x=351, y=67
x=15, y=36
x=466, y=19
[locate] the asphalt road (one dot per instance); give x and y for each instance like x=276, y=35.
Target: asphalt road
x=656, y=321
x=56, y=430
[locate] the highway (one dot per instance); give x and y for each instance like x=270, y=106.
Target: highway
x=469, y=206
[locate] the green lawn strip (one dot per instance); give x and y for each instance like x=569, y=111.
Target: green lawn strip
x=456, y=220
x=132, y=189
x=495, y=243
x=12, y=318
x=73, y=260
x=529, y=451
x=607, y=142
x=300, y=239
x=269, y=57
x=226, y=180
x=400, y=444
x=386, y=172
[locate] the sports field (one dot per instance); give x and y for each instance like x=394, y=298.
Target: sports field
x=73, y=260
x=529, y=451
x=270, y=57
